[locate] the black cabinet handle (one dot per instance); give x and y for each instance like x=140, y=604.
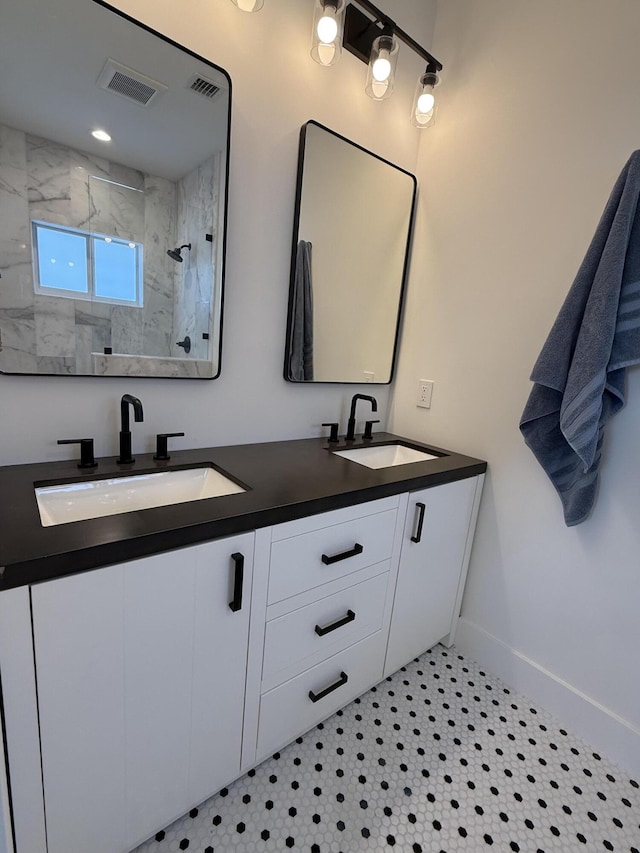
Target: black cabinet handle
x=342, y=680
x=421, y=508
x=357, y=549
x=337, y=624
x=236, y=603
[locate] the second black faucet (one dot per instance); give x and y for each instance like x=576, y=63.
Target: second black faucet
x=351, y=425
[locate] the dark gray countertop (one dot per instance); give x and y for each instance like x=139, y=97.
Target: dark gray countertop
x=284, y=479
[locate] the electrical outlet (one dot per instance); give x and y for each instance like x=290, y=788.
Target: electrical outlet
x=425, y=390
x=369, y=376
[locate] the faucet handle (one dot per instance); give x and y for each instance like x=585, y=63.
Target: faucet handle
x=333, y=438
x=162, y=454
x=87, y=459
x=368, y=434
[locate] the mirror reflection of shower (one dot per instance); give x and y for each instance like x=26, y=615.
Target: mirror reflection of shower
x=175, y=254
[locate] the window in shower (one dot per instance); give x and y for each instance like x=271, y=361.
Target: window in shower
x=80, y=264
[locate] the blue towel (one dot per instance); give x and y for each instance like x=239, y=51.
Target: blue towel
x=580, y=374
x=301, y=343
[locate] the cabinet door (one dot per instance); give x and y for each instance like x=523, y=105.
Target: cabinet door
x=430, y=569
x=219, y=663
x=131, y=688
x=78, y=625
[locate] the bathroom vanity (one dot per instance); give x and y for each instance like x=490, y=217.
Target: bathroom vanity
x=148, y=658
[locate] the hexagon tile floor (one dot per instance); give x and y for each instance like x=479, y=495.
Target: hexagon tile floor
x=439, y=758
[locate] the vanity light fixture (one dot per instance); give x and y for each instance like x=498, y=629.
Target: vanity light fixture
x=102, y=135
x=374, y=38
x=249, y=5
x=328, y=25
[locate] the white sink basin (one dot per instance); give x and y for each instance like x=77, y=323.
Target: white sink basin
x=385, y=455
x=67, y=502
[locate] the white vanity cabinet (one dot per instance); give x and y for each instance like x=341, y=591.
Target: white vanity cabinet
x=132, y=693
x=140, y=672
x=436, y=545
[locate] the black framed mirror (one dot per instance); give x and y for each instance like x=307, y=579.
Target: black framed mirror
x=351, y=241
x=114, y=150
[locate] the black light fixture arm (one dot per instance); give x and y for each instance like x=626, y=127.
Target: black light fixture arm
x=387, y=25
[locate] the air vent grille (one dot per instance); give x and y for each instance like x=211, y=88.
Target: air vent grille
x=131, y=88
x=128, y=83
x=204, y=87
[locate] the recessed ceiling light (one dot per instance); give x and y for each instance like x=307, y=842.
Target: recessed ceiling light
x=102, y=135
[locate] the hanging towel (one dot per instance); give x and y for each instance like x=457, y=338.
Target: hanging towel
x=580, y=374
x=301, y=344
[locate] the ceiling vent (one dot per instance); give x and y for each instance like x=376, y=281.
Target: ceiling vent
x=129, y=84
x=204, y=87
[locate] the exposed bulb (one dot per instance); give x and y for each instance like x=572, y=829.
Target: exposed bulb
x=425, y=103
x=327, y=28
x=381, y=68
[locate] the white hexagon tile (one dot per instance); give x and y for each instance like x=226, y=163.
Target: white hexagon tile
x=439, y=758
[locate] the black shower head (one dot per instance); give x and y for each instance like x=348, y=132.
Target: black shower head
x=175, y=255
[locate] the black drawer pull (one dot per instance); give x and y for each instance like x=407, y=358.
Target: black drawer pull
x=337, y=624
x=421, y=508
x=342, y=680
x=357, y=549
x=236, y=603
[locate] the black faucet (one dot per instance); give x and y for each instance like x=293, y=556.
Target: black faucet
x=125, y=457
x=351, y=426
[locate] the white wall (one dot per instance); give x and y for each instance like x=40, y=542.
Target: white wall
x=539, y=114
x=276, y=88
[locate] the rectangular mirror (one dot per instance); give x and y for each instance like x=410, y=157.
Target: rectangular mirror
x=351, y=237
x=114, y=147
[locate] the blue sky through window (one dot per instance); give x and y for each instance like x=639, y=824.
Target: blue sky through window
x=116, y=270
x=62, y=258
x=110, y=272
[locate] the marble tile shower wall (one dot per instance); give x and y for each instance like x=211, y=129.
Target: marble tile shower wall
x=198, y=198
x=45, y=180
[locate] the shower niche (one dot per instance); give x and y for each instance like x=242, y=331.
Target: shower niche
x=113, y=189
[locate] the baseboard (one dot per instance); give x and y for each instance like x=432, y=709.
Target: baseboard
x=599, y=726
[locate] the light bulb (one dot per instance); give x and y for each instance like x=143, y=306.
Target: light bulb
x=102, y=135
x=425, y=102
x=327, y=28
x=381, y=67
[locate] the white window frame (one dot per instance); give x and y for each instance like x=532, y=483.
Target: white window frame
x=89, y=295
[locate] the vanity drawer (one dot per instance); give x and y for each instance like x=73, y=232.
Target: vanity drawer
x=308, y=635
x=319, y=556
x=288, y=710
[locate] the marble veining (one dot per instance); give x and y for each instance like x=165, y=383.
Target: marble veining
x=119, y=364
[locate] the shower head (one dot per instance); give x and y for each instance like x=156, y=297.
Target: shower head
x=175, y=255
